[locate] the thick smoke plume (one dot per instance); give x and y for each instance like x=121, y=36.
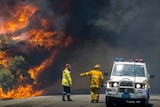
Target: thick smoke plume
x=106, y=29
x=101, y=31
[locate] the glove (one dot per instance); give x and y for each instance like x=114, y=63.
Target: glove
x=102, y=85
x=70, y=85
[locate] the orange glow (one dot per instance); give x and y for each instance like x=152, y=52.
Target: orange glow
x=20, y=92
x=44, y=39
x=3, y=59
x=19, y=19
x=44, y=23
x=41, y=38
x=34, y=72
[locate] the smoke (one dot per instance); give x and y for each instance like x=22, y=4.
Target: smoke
x=106, y=29
x=101, y=31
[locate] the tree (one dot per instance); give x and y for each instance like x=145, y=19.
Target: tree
x=9, y=76
x=15, y=72
x=6, y=79
x=15, y=63
x=4, y=42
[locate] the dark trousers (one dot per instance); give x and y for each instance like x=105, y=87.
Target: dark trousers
x=66, y=91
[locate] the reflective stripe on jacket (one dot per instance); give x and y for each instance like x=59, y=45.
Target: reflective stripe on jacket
x=96, y=77
x=66, y=78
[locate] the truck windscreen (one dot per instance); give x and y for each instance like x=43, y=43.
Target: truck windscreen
x=128, y=70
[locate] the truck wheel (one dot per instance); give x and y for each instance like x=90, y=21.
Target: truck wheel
x=145, y=102
x=109, y=103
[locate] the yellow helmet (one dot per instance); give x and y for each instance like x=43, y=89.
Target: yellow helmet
x=97, y=66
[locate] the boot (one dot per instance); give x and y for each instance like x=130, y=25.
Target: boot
x=97, y=98
x=68, y=97
x=63, y=97
x=96, y=101
x=92, y=101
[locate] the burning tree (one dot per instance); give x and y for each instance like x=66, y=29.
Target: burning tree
x=6, y=79
x=11, y=68
x=14, y=77
x=10, y=74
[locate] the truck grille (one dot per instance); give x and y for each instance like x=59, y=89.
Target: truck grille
x=126, y=83
x=126, y=90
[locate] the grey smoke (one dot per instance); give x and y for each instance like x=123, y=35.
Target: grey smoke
x=121, y=28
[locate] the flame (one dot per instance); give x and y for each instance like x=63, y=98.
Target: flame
x=41, y=38
x=34, y=72
x=20, y=92
x=17, y=27
x=19, y=19
x=4, y=59
x=45, y=39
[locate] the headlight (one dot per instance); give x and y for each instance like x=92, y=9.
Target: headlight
x=108, y=84
x=112, y=84
x=115, y=84
x=138, y=85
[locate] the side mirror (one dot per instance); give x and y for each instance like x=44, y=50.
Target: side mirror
x=152, y=76
x=105, y=73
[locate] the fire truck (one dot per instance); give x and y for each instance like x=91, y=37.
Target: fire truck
x=128, y=81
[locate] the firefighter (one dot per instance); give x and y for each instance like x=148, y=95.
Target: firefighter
x=96, y=82
x=66, y=82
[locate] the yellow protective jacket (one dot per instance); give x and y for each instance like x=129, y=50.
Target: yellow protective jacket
x=66, y=78
x=96, y=77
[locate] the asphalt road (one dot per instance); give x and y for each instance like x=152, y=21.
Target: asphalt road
x=78, y=101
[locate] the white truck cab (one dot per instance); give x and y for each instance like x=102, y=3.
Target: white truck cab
x=128, y=81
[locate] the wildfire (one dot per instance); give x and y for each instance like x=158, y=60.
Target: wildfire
x=3, y=59
x=42, y=38
x=19, y=19
x=20, y=92
x=46, y=63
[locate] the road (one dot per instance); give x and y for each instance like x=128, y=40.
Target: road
x=78, y=101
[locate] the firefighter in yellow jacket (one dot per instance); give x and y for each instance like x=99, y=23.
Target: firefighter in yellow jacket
x=66, y=82
x=96, y=82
